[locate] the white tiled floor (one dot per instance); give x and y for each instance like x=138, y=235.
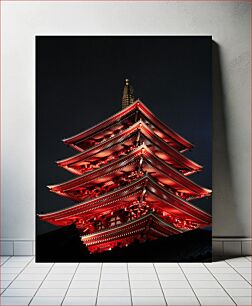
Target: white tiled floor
x=24, y=282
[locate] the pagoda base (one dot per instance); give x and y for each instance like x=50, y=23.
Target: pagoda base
x=148, y=227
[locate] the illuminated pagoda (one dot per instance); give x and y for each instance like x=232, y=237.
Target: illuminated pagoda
x=131, y=181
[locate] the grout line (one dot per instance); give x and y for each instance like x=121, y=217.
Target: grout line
x=220, y=284
x=189, y=284
x=238, y=272
x=70, y=283
x=246, y=257
x=9, y=257
x=160, y=283
x=96, y=300
x=129, y=285
x=41, y=282
x=16, y=275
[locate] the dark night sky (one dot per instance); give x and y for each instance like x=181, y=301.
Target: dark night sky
x=79, y=82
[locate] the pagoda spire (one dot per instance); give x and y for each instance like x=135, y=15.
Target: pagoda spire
x=128, y=94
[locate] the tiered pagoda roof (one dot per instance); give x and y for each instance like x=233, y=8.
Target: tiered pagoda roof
x=132, y=181
x=121, y=121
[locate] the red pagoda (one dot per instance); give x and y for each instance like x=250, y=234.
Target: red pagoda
x=132, y=181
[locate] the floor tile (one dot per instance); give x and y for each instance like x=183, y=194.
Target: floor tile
x=234, y=284
x=5, y=283
x=146, y=270
x=25, y=284
x=216, y=264
x=85, y=284
x=191, y=264
x=117, y=276
x=169, y=270
x=56, y=276
x=200, y=276
x=144, y=284
x=220, y=270
x=189, y=300
x=114, y=292
x=239, y=264
x=8, y=276
x=88, y=270
x=237, y=259
x=87, y=276
x=21, y=258
x=220, y=300
x=114, y=269
x=82, y=292
x=79, y=300
x=146, y=292
x=66, y=265
x=61, y=270
x=47, y=300
x=11, y=270
x=243, y=300
x=175, y=284
x=40, y=265
x=248, y=277
x=204, y=284
x=239, y=291
x=55, y=284
x=14, y=264
x=148, y=300
x=172, y=276
x=209, y=292
x=51, y=292
x=114, y=284
x=3, y=259
x=166, y=264
x=243, y=270
x=193, y=270
x=15, y=300
x=36, y=270
x=19, y=292
x=108, y=300
x=30, y=276
x=228, y=276
x=140, y=264
x=178, y=292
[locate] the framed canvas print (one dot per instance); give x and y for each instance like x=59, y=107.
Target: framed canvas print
x=128, y=121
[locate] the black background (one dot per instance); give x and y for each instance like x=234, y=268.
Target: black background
x=79, y=82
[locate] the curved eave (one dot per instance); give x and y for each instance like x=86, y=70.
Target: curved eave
x=204, y=216
x=146, y=131
x=131, y=188
x=136, y=105
x=129, y=223
x=115, y=196
x=163, y=167
x=88, y=176
x=97, y=148
x=99, y=126
x=162, y=126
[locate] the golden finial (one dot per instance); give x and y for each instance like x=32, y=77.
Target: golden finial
x=128, y=94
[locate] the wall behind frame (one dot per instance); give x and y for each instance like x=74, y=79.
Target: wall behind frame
x=229, y=25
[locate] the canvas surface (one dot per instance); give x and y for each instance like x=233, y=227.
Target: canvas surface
x=138, y=186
